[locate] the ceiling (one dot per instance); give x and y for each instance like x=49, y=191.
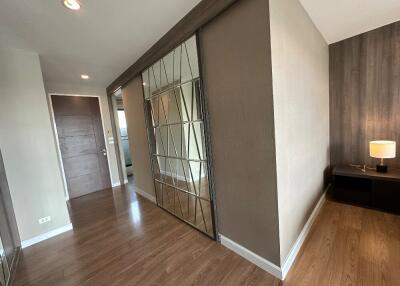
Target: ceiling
x=105, y=37
x=340, y=19
x=102, y=39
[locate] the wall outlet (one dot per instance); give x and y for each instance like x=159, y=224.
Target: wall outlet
x=44, y=219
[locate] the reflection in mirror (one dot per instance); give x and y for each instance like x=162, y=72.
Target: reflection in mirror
x=172, y=91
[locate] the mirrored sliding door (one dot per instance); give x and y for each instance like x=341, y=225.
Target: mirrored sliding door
x=176, y=128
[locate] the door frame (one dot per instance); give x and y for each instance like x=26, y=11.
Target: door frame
x=119, y=148
x=116, y=134
x=55, y=132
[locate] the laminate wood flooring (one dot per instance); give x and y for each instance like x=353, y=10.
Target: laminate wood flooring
x=120, y=238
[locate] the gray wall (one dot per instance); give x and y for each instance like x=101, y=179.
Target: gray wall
x=258, y=89
x=135, y=120
x=236, y=62
x=300, y=72
x=365, y=95
x=28, y=145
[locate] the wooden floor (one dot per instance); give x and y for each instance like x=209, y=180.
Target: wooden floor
x=120, y=238
x=185, y=206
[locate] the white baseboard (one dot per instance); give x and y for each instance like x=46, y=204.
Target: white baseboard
x=290, y=258
x=117, y=184
x=46, y=235
x=145, y=195
x=172, y=174
x=252, y=257
x=279, y=272
x=182, y=178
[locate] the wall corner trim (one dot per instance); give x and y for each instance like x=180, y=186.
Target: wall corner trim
x=145, y=195
x=278, y=272
x=252, y=257
x=294, y=251
x=45, y=236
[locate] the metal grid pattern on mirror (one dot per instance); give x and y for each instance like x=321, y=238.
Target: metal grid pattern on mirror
x=172, y=91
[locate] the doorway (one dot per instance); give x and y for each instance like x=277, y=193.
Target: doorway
x=81, y=143
x=122, y=137
x=125, y=142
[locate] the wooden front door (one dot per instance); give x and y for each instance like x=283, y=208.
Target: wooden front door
x=81, y=139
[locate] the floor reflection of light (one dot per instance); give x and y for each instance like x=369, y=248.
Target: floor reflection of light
x=135, y=212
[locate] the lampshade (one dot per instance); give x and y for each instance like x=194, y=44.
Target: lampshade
x=382, y=149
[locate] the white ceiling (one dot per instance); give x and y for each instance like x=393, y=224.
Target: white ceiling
x=106, y=37
x=102, y=39
x=341, y=19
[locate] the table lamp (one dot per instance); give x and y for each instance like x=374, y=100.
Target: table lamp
x=382, y=149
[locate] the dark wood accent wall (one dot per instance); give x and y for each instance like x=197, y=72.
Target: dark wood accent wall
x=365, y=94
x=200, y=15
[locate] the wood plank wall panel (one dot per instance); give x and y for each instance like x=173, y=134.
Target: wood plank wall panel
x=365, y=94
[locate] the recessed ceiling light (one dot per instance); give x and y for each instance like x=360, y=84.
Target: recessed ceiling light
x=84, y=76
x=72, y=4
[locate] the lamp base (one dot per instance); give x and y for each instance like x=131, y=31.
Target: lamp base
x=381, y=168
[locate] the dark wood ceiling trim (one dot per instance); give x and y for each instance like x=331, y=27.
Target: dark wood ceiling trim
x=200, y=15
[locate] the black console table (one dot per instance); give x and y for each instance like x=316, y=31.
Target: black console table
x=369, y=189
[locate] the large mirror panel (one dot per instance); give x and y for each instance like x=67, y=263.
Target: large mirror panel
x=173, y=102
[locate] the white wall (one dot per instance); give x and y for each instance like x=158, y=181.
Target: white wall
x=300, y=72
x=28, y=146
x=59, y=88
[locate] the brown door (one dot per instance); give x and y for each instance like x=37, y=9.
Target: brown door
x=81, y=138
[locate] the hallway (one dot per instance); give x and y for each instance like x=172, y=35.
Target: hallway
x=120, y=238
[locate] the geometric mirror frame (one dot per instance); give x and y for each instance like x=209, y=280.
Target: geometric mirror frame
x=178, y=137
